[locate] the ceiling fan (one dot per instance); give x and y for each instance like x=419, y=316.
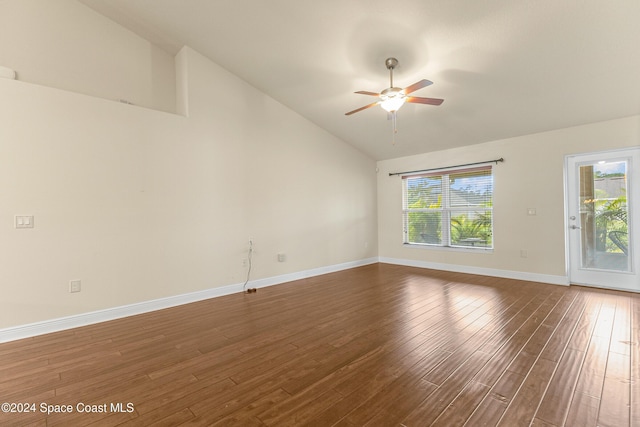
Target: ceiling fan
x=392, y=98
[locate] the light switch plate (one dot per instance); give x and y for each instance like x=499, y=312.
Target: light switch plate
x=24, y=221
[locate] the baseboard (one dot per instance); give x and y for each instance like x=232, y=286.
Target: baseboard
x=507, y=274
x=84, y=319
x=290, y=277
x=75, y=321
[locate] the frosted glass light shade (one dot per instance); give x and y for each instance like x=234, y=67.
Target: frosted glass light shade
x=393, y=103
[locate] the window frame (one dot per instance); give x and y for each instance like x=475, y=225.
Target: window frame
x=446, y=210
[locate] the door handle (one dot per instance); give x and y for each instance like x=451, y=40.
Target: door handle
x=575, y=227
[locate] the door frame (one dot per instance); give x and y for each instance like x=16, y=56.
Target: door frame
x=604, y=278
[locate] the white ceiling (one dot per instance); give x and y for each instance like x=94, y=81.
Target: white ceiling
x=504, y=67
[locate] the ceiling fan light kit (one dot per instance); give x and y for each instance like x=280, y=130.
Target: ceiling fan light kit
x=392, y=98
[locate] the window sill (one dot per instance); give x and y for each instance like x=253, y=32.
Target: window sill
x=448, y=248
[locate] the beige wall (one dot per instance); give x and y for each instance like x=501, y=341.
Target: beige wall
x=141, y=204
x=530, y=177
x=66, y=45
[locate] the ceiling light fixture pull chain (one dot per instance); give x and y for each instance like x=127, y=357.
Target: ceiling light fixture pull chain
x=394, y=122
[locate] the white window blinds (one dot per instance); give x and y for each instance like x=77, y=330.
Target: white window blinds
x=451, y=208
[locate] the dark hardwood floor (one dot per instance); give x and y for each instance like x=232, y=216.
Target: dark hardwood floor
x=379, y=345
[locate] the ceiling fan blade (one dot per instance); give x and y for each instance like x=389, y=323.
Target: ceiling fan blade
x=418, y=100
x=417, y=85
x=362, y=108
x=364, y=92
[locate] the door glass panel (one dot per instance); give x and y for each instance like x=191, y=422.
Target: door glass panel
x=604, y=216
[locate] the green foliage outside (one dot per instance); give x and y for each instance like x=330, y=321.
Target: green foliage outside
x=465, y=231
x=425, y=227
x=611, y=216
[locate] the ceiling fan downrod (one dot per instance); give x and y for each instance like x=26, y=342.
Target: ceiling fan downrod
x=391, y=63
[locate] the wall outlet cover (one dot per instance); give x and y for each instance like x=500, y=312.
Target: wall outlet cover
x=75, y=286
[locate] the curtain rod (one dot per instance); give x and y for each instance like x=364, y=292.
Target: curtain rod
x=447, y=167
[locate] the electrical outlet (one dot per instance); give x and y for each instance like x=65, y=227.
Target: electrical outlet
x=282, y=257
x=75, y=286
x=523, y=253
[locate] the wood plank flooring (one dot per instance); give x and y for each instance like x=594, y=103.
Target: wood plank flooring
x=379, y=345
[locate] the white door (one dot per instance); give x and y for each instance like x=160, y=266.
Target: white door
x=603, y=217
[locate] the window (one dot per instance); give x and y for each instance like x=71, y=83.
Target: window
x=449, y=208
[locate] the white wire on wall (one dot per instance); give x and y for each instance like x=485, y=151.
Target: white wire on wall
x=244, y=287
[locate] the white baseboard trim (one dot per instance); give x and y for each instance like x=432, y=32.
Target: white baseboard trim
x=75, y=321
x=276, y=280
x=69, y=322
x=507, y=274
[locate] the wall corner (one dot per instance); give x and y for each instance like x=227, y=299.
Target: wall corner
x=182, y=82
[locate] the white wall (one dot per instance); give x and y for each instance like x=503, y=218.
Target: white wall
x=141, y=204
x=530, y=177
x=66, y=45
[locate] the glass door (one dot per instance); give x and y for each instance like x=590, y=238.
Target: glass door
x=602, y=216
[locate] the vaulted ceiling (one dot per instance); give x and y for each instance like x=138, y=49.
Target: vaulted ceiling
x=504, y=67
